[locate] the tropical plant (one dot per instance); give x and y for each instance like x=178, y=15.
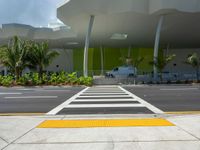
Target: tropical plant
x=53, y=78
x=137, y=62
x=61, y=78
x=1, y=79
x=126, y=60
x=194, y=61
x=14, y=56
x=85, y=81
x=41, y=56
x=6, y=80
x=162, y=62
x=129, y=61
x=72, y=78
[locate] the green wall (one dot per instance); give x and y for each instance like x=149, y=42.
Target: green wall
x=111, y=58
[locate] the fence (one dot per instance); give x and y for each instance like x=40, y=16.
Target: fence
x=143, y=78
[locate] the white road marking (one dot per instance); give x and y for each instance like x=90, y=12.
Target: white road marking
x=10, y=93
x=44, y=90
x=63, y=105
x=55, y=90
x=102, y=93
x=120, y=92
x=179, y=89
x=102, y=105
x=125, y=96
x=33, y=97
x=105, y=86
x=25, y=89
x=148, y=105
x=95, y=88
x=104, y=90
x=103, y=100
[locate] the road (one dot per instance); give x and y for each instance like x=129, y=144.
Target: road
x=170, y=98
x=34, y=100
x=100, y=100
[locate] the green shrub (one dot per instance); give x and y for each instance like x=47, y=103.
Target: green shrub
x=24, y=80
x=62, y=78
x=85, y=81
x=44, y=78
x=1, y=79
x=7, y=81
x=53, y=79
x=72, y=78
x=32, y=79
x=35, y=79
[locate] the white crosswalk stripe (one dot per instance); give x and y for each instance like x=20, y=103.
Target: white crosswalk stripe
x=102, y=100
x=103, y=105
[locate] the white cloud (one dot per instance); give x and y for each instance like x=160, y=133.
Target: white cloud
x=31, y=12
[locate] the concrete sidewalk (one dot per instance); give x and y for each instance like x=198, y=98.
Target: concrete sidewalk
x=20, y=133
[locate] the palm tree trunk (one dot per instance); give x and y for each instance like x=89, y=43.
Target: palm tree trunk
x=40, y=72
x=17, y=73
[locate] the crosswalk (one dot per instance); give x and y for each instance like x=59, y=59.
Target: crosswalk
x=104, y=100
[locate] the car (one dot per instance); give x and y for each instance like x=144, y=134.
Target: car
x=122, y=71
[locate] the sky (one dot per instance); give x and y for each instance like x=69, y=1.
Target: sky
x=37, y=13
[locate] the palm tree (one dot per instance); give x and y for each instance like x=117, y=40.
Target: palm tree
x=40, y=57
x=14, y=55
x=126, y=60
x=194, y=61
x=162, y=62
x=129, y=61
x=137, y=62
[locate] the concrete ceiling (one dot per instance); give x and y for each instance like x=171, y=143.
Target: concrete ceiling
x=136, y=18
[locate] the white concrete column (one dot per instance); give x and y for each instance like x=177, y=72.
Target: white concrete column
x=87, y=43
x=102, y=61
x=156, y=46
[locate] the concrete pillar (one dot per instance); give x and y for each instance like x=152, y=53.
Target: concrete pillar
x=156, y=46
x=102, y=61
x=87, y=43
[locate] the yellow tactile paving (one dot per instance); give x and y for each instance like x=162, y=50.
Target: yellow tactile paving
x=104, y=123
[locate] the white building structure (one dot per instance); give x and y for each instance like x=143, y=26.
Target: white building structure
x=159, y=24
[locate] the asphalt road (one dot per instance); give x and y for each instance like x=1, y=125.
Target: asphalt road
x=171, y=97
x=34, y=100
x=41, y=100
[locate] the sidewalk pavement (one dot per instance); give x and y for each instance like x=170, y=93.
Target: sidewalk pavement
x=21, y=133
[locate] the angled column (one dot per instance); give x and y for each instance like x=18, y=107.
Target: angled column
x=102, y=61
x=156, y=47
x=87, y=43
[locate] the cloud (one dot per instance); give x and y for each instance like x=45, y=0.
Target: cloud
x=31, y=12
